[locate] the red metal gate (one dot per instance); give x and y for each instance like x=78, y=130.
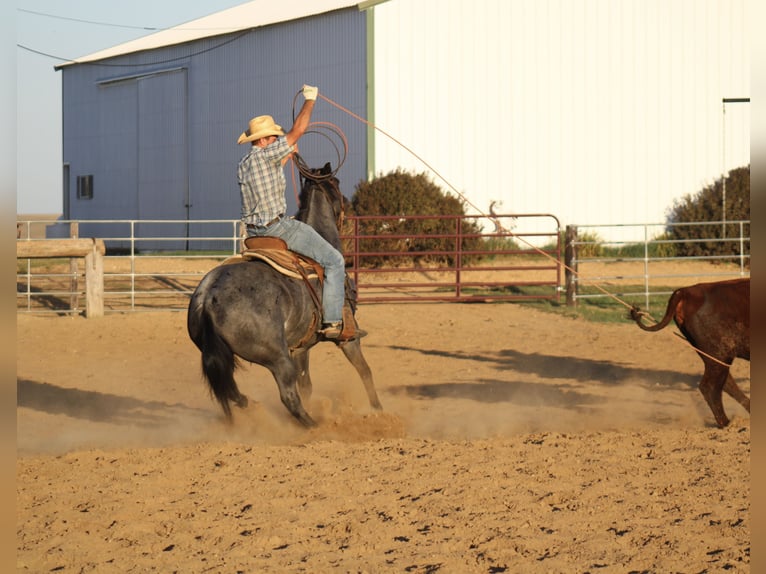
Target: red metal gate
x=454, y=258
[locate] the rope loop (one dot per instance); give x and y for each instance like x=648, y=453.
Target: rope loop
x=333, y=134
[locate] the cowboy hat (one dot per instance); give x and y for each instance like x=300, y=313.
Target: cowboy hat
x=260, y=127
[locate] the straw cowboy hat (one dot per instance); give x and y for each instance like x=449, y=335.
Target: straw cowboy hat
x=260, y=127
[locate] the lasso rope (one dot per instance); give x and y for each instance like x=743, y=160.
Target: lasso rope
x=332, y=134
x=497, y=223
x=466, y=200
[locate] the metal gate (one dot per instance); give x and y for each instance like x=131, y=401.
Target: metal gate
x=391, y=259
x=454, y=258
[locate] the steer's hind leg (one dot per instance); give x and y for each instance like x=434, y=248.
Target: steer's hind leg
x=711, y=386
x=732, y=389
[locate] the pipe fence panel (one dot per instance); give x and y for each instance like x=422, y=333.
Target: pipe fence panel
x=420, y=258
x=454, y=258
x=646, y=271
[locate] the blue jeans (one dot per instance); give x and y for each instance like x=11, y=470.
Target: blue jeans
x=304, y=239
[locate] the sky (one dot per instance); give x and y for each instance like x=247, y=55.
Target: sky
x=48, y=33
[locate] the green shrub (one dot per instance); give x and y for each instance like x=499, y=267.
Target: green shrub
x=706, y=206
x=430, y=239
x=657, y=248
x=593, y=244
x=502, y=244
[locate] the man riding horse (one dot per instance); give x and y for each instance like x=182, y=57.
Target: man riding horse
x=262, y=188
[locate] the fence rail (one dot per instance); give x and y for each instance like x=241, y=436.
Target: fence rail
x=466, y=258
x=646, y=271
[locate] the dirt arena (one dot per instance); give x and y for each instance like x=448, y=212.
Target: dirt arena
x=512, y=440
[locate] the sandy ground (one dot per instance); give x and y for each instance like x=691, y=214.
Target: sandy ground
x=512, y=440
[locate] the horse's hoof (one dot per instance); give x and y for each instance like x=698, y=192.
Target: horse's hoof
x=307, y=422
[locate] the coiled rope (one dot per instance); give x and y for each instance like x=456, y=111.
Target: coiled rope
x=334, y=135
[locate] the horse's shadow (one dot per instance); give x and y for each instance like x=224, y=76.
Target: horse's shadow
x=94, y=406
x=547, y=367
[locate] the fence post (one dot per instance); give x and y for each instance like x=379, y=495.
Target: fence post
x=570, y=258
x=74, y=298
x=94, y=283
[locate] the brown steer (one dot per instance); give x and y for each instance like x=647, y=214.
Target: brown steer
x=715, y=319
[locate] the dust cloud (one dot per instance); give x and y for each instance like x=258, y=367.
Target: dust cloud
x=135, y=381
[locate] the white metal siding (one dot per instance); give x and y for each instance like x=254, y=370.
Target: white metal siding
x=598, y=111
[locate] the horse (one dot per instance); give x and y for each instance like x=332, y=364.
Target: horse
x=248, y=310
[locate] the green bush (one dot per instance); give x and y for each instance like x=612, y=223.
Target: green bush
x=593, y=244
x=656, y=249
x=401, y=239
x=706, y=206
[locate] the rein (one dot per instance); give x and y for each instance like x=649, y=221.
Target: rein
x=341, y=214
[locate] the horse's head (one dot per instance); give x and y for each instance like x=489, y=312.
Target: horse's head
x=321, y=203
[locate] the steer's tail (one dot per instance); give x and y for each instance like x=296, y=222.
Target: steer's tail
x=218, y=360
x=637, y=315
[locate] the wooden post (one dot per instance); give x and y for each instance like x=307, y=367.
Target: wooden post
x=74, y=298
x=92, y=250
x=94, y=284
x=570, y=260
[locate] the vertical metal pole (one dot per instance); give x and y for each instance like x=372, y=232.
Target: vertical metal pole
x=742, y=248
x=132, y=265
x=356, y=245
x=646, y=267
x=458, y=254
x=723, y=173
x=570, y=261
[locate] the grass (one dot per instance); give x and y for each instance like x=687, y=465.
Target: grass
x=610, y=307
x=605, y=308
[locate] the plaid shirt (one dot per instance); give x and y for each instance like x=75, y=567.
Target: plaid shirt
x=262, y=182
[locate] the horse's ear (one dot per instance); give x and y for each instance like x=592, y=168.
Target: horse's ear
x=326, y=169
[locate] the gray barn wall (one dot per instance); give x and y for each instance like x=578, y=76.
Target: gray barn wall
x=158, y=129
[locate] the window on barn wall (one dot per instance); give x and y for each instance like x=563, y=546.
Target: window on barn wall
x=84, y=187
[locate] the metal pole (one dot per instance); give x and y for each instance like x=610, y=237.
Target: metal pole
x=724, y=173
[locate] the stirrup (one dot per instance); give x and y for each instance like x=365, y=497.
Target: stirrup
x=331, y=330
x=340, y=332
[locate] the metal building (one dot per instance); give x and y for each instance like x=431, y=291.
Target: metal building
x=596, y=111
x=150, y=126
x=599, y=111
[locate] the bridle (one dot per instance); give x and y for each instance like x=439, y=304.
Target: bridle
x=328, y=185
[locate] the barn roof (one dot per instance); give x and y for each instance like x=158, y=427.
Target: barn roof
x=253, y=14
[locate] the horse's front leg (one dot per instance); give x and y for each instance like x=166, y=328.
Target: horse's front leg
x=353, y=351
x=285, y=371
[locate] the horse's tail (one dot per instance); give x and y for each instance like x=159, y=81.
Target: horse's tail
x=218, y=360
x=637, y=315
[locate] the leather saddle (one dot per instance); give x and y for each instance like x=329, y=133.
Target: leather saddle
x=274, y=251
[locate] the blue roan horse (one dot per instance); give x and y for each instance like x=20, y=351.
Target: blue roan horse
x=251, y=311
